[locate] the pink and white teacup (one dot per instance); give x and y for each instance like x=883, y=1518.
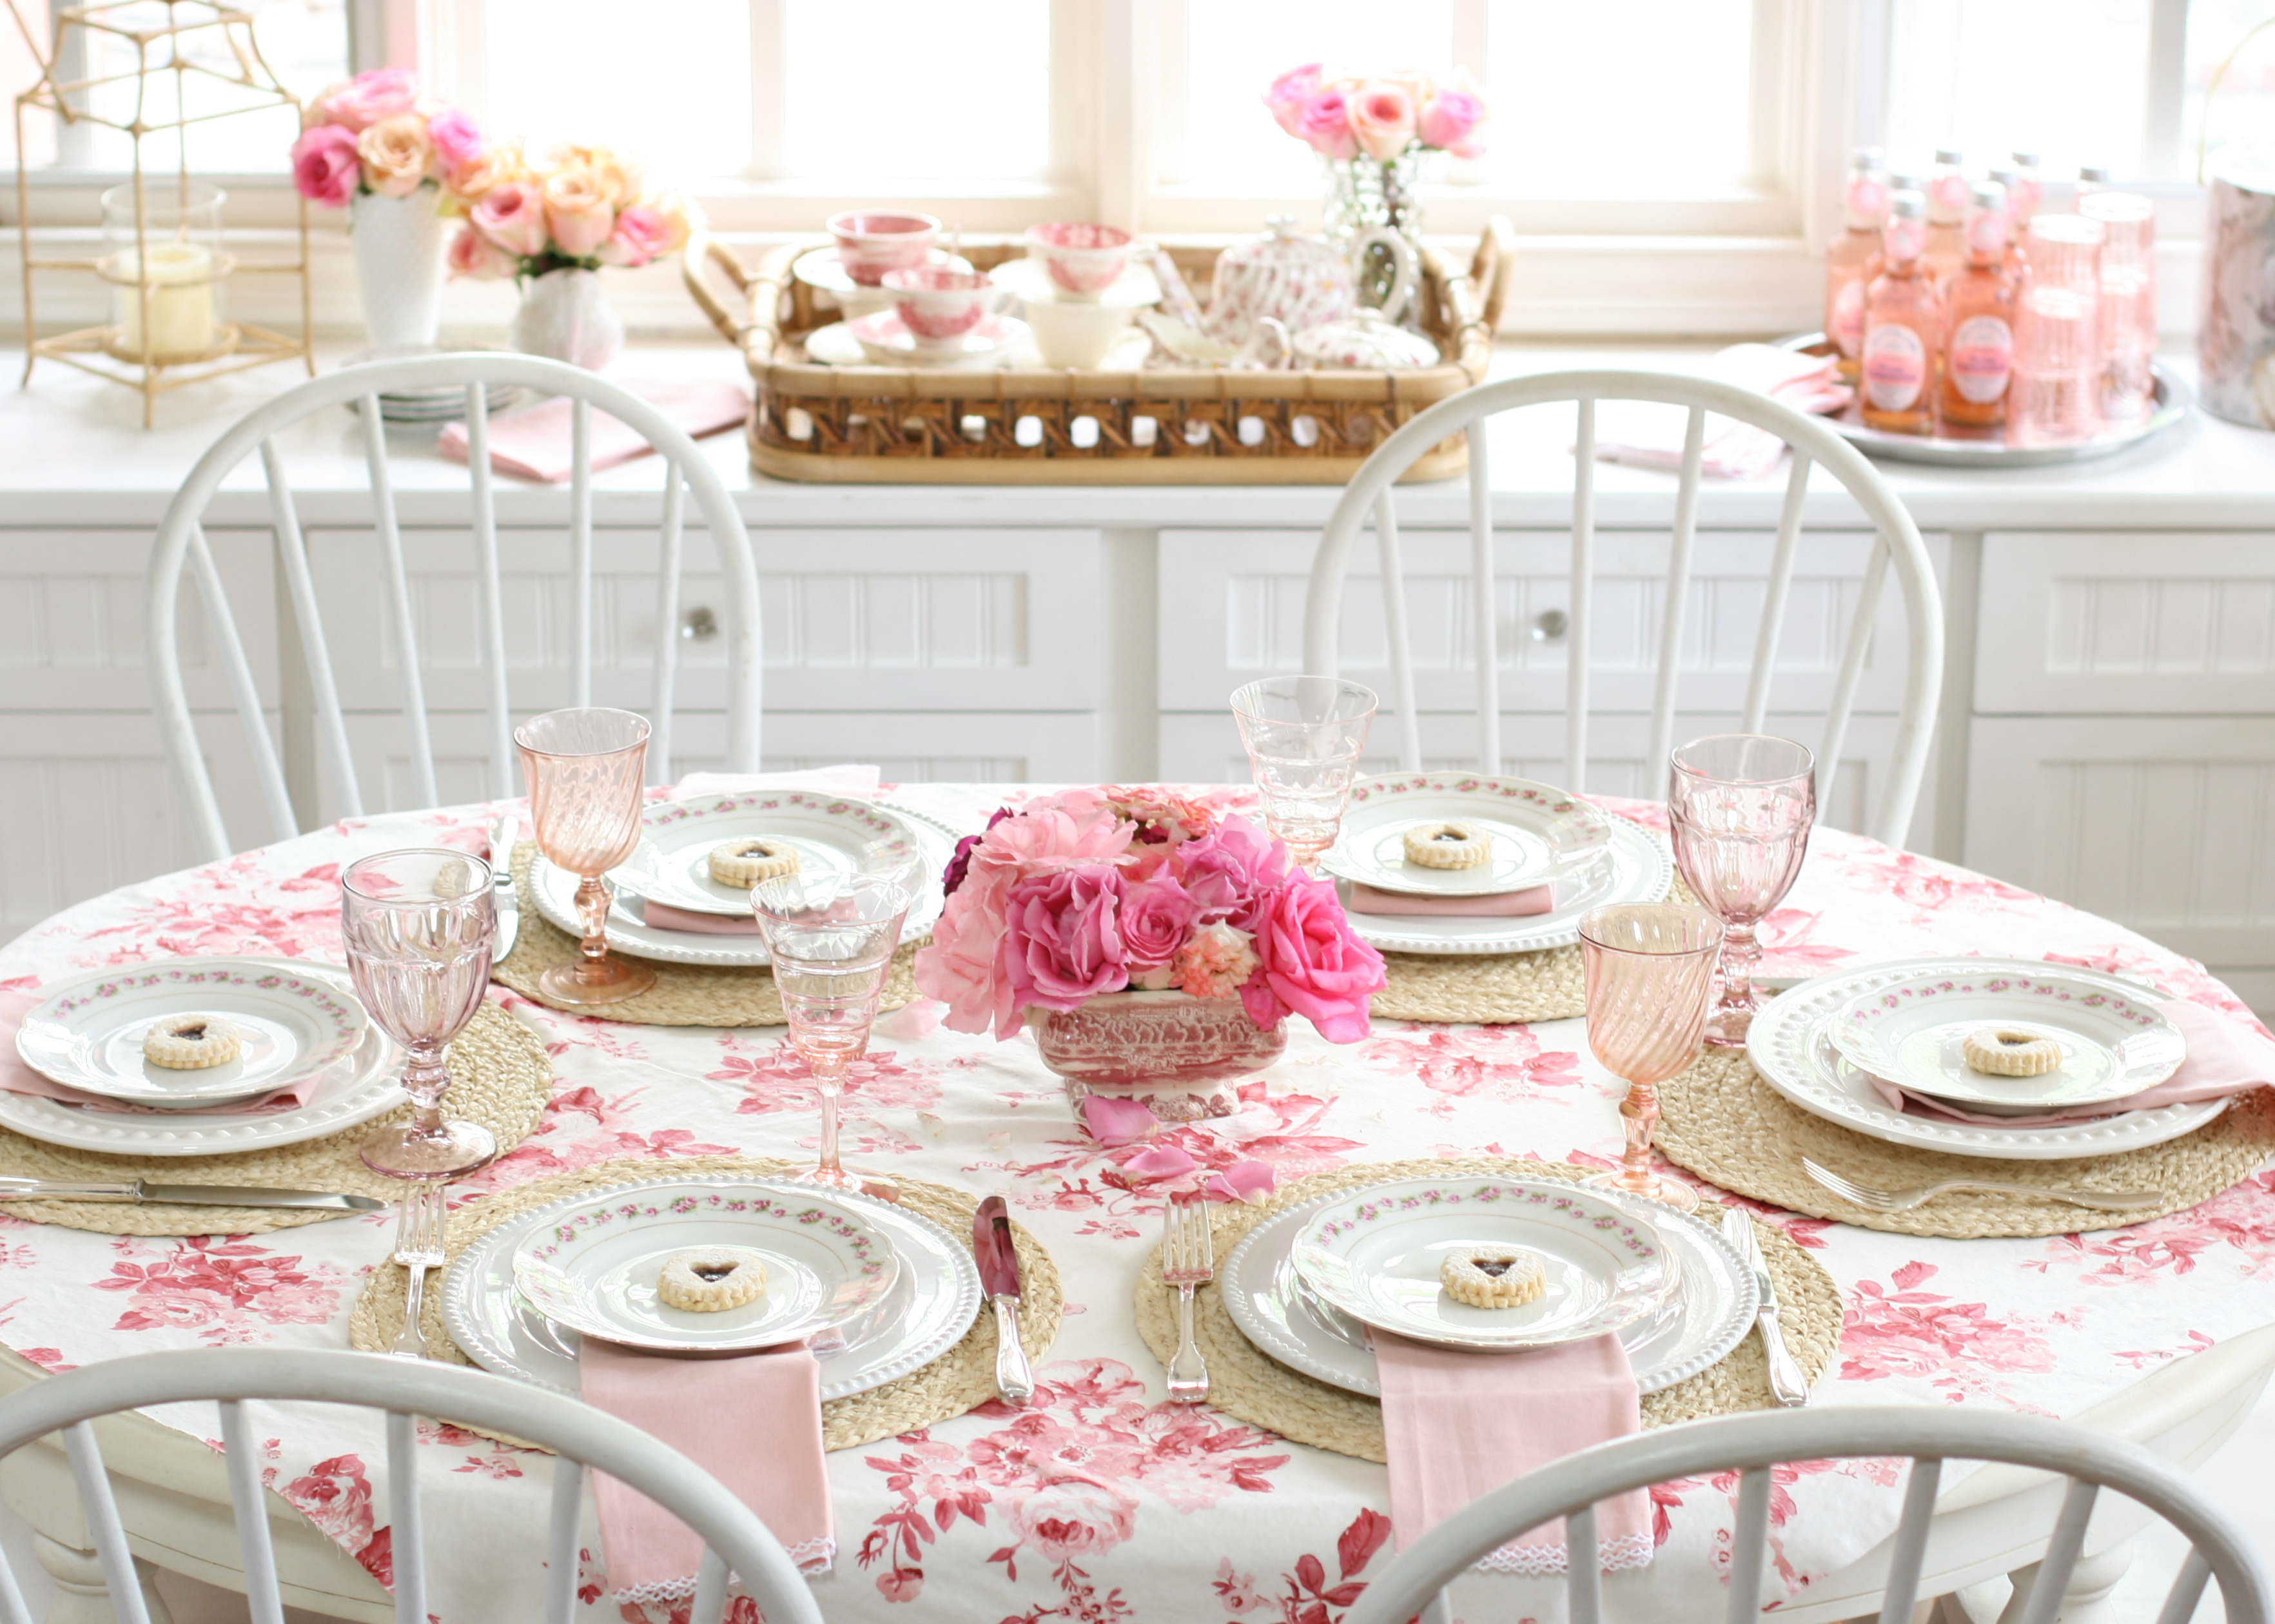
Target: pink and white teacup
x=940, y=305
x=1082, y=260
x=871, y=242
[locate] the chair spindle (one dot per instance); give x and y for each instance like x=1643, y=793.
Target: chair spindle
x=263, y=1598
x=710, y=1606
x=1677, y=609
x=223, y=624
x=1584, y=1562
x=489, y=593
x=100, y=1511
x=331, y=727
x=1580, y=618
x=667, y=626
x=580, y=550
x=1905, y=1561
x=1852, y=669
x=1399, y=634
x=1484, y=604
x=399, y=605
x=408, y=1532
x=2188, y=1590
x=1771, y=630
x=2054, y=1568
x=563, y=1543
x=12, y=1610
x=1748, y=1547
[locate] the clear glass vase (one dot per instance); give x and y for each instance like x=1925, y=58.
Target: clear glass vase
x=1362, y=193
x=1178, y=1055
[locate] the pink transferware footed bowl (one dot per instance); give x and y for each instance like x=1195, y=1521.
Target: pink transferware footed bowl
x=1178, y=1055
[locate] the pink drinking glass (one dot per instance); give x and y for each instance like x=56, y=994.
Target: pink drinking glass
x=830, y=943
x=1303, y=736
x=584, y=769
x=1740, y=807
x=2055, y=398
x=1651, y=974
x=418, y=928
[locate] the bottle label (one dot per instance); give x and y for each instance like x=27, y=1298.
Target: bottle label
x=1848, y=317
x=1895, y=367
x=1981, y=359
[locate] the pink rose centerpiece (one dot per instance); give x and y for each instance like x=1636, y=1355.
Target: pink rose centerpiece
x=1155, y=949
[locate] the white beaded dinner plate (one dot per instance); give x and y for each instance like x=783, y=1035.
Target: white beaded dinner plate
x=1913, y=1031
x=1709, y=1313
x=933, y=1302
x=1639, y=869
x=1375, y=1254
x=87, y=1033
x=592, y=1265
x=1538, y=834
x=362, y=1084
x=832, y=835
x=1791, y=1047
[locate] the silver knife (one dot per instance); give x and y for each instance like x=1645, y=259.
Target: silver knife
x=998, y=1278
x=1785, y=1379
x=141, y=1190
x=504, y=833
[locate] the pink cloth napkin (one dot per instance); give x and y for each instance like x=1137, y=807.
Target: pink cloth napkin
x=18, y=1078
x=2224, y=1057
x=664, y=916
x=752, y=1421
x=1503, y=905
x=534, y=441
x=1459, y=1425
x=1650, y=435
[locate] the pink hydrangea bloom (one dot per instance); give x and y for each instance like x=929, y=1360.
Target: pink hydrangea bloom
x=1312, y=964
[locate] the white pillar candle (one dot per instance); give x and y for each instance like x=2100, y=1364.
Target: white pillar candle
x=180, y=301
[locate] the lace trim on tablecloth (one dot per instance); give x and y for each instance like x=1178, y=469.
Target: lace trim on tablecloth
x=1546, y=1561
x=810, y=1556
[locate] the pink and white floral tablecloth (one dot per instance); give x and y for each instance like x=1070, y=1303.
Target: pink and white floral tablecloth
x=1101, y=1503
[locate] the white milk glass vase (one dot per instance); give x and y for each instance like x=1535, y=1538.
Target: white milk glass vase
x=398, y=259
x=564, y=315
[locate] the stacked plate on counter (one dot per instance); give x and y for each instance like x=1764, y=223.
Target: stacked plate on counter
x=1540, y=838
x=300, y=1026
x=670, y=867
x=1307, y=1285
x=1852, y=1045
x=878, y=1290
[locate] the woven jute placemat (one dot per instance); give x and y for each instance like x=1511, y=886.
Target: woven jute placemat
x=682, y=995
x=1247, y=1382
x=962, y=1378
x=500, y=1076
x=1720, y=1121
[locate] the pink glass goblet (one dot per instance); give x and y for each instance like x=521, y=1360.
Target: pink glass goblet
x=1303, y=736
x=584, y=769
x=830, y=942
x=1651, y=975
x=1740, y=807
x=418, y=927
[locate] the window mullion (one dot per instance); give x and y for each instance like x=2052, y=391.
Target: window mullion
x=2164, y=107
x=769, y=28
x=1120, y=127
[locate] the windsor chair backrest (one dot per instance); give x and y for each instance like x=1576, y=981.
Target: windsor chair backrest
x=583, y=1438
x=1369, y=495
x=1754, y=1445
x=181, y=539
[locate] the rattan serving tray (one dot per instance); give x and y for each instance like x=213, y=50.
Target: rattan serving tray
x=1074, y=426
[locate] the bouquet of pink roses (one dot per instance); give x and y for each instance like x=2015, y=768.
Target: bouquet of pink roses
x=574, y=208
x=377, y=134
x=1105, y=890
x=1381, y=117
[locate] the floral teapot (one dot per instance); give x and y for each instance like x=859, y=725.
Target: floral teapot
x=1301, y=281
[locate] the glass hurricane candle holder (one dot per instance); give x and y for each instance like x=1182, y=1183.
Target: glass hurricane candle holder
x=1303, y=736
x=584, y=769
x=1650, y=973
x=1740, y=807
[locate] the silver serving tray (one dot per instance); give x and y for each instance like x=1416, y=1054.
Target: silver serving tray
x=2172, y=403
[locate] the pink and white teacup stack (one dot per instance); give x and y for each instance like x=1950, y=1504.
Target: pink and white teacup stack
x=940, y=306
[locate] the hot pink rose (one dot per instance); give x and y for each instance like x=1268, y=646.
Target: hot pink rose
x=1324, y=123
x=1062, y=943
x=640, y=235
x=472, y=255
x=1313, y=966
x=367, y=98
x=1156, y=917
x=513, y=217
x=1382, y=118
x=1290, y=92
x=457, y=142
x=1074, y=1516
x=1451, y=121
x=1228, y=869
x=325, y=167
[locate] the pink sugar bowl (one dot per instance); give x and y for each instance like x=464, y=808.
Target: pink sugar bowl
x=939, y=305
x=871, y=242
x=1082, y=260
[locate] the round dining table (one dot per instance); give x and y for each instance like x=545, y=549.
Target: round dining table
x=1099, y=1500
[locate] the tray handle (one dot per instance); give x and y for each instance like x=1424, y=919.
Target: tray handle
x=704, y=250
x=1492, y=269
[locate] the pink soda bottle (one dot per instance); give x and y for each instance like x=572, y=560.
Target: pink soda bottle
x=1853, y=259
x=2128, y=301
x=1978, y=322
x=1903, y=325
x=1947, y=197
x=2056, y=397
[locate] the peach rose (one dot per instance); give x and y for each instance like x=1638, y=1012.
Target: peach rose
x=367, y=99
x=512, y=216
x=395, y=154
x=490, y=169
x=578, y=212
x=618, y=182
x=472, y=255
x=1382, y=118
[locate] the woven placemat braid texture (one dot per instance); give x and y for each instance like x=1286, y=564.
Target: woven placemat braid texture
x=682, y=995
x=1720, y=1121
x=960, y=1379
x=500, y=1076
x=1247, y=1382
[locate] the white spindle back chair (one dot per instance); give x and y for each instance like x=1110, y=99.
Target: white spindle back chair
x=1753, y=1444
x=1814, y=444
x=181, y=537
x=582, y=1439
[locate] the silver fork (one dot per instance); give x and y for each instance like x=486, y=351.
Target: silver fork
x=1903, y=1200
x=1188, y=1260
x=418, y=1247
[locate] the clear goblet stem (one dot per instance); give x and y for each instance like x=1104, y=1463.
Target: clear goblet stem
x=1638, y=1121
x=593, y=915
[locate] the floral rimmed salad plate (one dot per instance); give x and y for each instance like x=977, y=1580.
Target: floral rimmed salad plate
x=832, y=835
x=1376, y=1255
x=1639, y=869
x=594, y=1265
x=1539, y=835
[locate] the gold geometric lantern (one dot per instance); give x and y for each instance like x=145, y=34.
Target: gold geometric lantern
x=163, y=251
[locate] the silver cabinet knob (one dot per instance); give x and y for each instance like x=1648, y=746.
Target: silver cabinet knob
x=698, y=626
x=1549, y=624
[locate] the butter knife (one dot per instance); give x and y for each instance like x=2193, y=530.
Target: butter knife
x=1785, y=1379
x=141, y=1190
x=504, y=833
x=998, y=1278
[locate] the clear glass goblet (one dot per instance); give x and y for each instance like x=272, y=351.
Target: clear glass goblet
x=831, y=940
x=1651, y=975
x=1740, y=807
x=418, y=927
x=1303, y=736
x=584, y=768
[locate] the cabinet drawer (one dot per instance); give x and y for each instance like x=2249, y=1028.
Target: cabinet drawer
x=2177, y=622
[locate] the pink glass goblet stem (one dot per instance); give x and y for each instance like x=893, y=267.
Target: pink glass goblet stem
x=1739, y=808
x=1649, y=969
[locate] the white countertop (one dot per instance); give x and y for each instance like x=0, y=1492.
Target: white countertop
x=75, y=454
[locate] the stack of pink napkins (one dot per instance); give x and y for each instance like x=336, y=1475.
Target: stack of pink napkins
x=534, y=443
